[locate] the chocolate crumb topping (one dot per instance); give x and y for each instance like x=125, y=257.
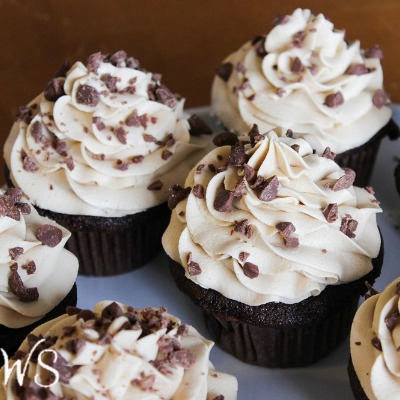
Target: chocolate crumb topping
x=198, y=191
x=165, y=96
x=30, y=267
x=29, y=164
x=295, y=147
x=391, y=319
x=200, y=168
x=24, y=208
x=370, y=190
x=329, y=154
x=149, y=138
x=69, y=162
x=87, y=95
x=345, y=181
x=25, y=114
x=238, y=155
x=334, y=100
x=17, y=287
x=54, y=89
x=225, y=139
x=259, y=46
x=121, y=134
x=176, y=194
x=243, y=256
x=110, y=82
x=224, y=71
x=291, y=241
x=250, y=270
x=14, y=194
x=374, y=52
x=249, y=173
x=14, y=267
x=198, y=126
x=94, y=61
x=240, y=189
x=212, y=168
x=268, y=189
x=331, y=212
x=49, y=235
x=15, y=252
x=75, y=346
x=254, y=135
x=297, y=66
x=165, y=154
x=157, y=185
x=376, y=343
x=224, y=200
x=357, y=69
x=285, y=228
x=86, y=315
x=61, y=147
x=112, y=311
x=289, y=133
x=241, y=226
x=380, y=98
x=137, y=159
x=348, y=226
x=193, y=267
x=133, y=119
x=281, y=19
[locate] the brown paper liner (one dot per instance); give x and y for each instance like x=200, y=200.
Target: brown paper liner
x=355, y=383
x=11, y=339
x=277, y=334
x=362, y=159
x=111, y=246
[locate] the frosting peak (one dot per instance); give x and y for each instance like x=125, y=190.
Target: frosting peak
x=273, y=219
x=304, y=75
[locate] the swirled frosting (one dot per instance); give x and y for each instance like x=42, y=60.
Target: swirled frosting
x=119, y=352
x=36, y=271
x=106, y=140
x=273, y=222
x=375, y=343
x=303, y=75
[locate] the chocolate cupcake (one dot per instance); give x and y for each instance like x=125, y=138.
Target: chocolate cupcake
x=304, y=75
x=274, y=243
x=97, y=151
x=38, y=273
x=119, y=352
x=374, y=365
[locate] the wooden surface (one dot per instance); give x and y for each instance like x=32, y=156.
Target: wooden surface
x=183, y=39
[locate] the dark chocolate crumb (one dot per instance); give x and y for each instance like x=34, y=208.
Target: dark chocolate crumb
x=17, y=287
x=112, y=311
x=285, y=228
x=329, y=154
x=176, y=194
x=391, y=319
x=15, y=252
x=376, y=343
x=374, y=52
x=289, y=133
x=165, y=154
x=121, y=134
x=380, y=98
x=268, y=190
x=87, y=95
x=297, y=66
x=224, y=71
x=54, y=89
x=243, y=256
x=250, y=270
x=331, y=212
x=198, y=191
x=345, y=181
x=200, y=168
x=224, y=200
x=357, y=69
x=198, y=126
x=295, y=147
x=30, y=267
x=157, y=185
x=348, y=226
x=334, y=100
x=225, y=139
x=49, y=235
x=238, y=155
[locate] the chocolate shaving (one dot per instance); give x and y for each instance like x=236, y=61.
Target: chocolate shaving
x=238, y=155
x=291, y=242
x=87, y=95
x=380, y=98
x=198, y=126
x=357, y=69
x=49, y=235
x=157, y=185
x=348, y=226
x=224, y=71
x=225, y=139
x=25, y=295
x=181, y=358
x=329, y=154
x=297, y=66
x=30, y=267
x=331, y=212
x=243, y=256
x=374, y=52
x=334, y=100
x=250, y=270
x=224, y=201
x=240, y=189
x=285, y=228
x=249, y=173
x=268, y=190
x=176, y=194
x=112, y=311
x=15, y=252
x=198, y=191
x=61, y=147
x=69, y=162
x=54, y=89
x=345, y=181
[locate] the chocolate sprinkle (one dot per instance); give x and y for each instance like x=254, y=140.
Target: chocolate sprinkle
x=334, y=100
x=176, y=194
x=26, y=295
x=224, y=200
x=87, y=95
x=157, y=185
x=225, y=139
x=198, y=191
x=49, y=235
x=198, y=126
x=224, y=71
x=331, y=212
x=250, y=270
x=345, y=181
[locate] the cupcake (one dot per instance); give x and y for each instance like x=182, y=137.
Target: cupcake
x=374, y=366
x=38, y=273
x=97, y=151
x=274, y=243
x=305, y=76
x=118, y=352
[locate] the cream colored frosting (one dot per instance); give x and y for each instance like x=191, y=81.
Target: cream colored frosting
x=378, y=370
x=109, y=163
x=325, y=255
x=265, y=90
x=54, y=276
x=154, y=358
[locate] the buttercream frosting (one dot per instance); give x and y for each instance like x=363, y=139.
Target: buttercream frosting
x=375, y=343
x=36, y=271
x=273, y=222
x=106, y=140
x=120, y=352
x=305, y=76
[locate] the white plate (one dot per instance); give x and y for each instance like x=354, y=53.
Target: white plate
x=152, y=285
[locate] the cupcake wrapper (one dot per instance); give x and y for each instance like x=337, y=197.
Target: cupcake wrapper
x=355, y=383
x=111, y=246
x=362, y=159
x=11, y=338
x=277, y=334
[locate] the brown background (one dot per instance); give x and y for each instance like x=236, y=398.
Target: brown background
x=183, y=39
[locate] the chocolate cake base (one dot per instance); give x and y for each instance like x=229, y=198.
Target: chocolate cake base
x=362, y=159
x=11, y=339
x=111, y=246
x=355, y=383
x=277, y=334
